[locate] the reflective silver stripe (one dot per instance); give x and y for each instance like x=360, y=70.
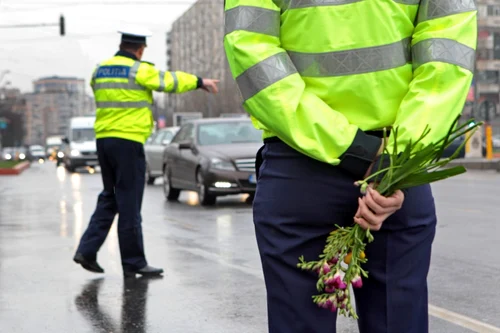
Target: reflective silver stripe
x=352, y=62
x=123, y=105
x=264, y=74
x=162, y=82
x=294, y=4
x=408, y=2
x=443, y=50
x=431, y=9
x=118, y=85
x=133, y=72
x=176, y=81
x=253, y=19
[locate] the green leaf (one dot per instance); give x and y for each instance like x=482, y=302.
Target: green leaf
x=427, y=178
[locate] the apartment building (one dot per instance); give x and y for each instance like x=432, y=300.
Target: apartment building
x=195, y=45
x=53, y=102
x=488, y=51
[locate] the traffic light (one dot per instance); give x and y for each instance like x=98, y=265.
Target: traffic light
x=62, y=28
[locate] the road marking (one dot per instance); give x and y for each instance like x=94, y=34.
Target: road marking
x=437, y=312
x=460, y=320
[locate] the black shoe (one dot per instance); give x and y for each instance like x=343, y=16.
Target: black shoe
x=91, y=266
x=146, y=271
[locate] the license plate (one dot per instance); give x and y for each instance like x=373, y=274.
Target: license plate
x=252, y=179
x=92, y=163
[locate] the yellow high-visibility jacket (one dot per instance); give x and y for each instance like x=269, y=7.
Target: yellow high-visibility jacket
x=123, y=87
x=320, y=74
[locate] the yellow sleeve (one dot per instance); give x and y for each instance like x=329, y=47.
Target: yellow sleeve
x=443, y=53
x=275, y=94
x=170, y=82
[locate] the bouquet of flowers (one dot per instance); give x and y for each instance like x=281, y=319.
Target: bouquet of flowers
x=340, y=265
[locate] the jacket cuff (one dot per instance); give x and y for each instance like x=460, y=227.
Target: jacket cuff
x=199, y=83
x=360, y=155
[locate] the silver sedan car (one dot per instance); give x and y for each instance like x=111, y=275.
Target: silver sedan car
x=154, y=148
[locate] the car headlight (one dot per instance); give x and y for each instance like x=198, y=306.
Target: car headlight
x=60, y=154
x=8, y=156
x=22, y=156
x=75, y=153
x=217, y=163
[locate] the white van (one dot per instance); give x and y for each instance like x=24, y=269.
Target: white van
x=80, y=144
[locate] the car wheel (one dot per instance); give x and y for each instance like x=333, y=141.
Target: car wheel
x=204, y=196
x=171, y=194
x=149, y=179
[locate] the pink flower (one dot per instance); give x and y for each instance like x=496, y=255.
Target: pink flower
x=330, y=282
x=342, y=285
x=333, y=261
x=337, y=280
x=323, y=305
x=326, y=268
x=357, y=282
x=329, y=303
x=329, y=289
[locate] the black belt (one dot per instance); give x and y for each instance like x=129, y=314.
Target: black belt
x=379, y=134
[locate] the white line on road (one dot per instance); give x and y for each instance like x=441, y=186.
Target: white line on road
x=460, y=320
x=449, y=316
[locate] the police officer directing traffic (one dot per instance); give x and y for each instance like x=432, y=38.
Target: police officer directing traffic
x=322, y=79
x=123, y=87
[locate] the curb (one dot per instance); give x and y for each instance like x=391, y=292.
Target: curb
x=480, y=164
x=18, y=169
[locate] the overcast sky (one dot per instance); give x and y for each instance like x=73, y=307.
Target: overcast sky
x=91, y=36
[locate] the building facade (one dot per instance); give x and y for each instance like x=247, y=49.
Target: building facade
x=488, y=51
x=51, y=105
x=13, y=108
x=195, y=45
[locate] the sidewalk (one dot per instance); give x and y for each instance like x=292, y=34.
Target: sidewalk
x=477, y=163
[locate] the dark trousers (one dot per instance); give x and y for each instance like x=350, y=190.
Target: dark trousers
x=123, y=168
x=297, y=204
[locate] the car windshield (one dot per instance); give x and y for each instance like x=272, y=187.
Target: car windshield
x=83, y=134
x=224, y=133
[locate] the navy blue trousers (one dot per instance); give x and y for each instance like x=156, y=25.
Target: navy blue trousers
x=297, y=204
x=123, y=168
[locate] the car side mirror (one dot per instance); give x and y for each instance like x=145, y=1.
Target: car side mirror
x=165, y=142
x=185, y=145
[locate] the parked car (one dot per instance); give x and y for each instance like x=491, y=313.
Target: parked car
x=15, y=154
x=154, y=148
x=212, y=156
x=452, y=148
x=8, y=153
x=36, y=153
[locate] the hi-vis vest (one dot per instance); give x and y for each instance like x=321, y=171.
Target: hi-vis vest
x=319, y=74
x=124, y=98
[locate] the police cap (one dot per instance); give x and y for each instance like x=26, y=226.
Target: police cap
x=136, y=35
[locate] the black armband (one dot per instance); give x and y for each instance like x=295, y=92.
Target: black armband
x=199, y=83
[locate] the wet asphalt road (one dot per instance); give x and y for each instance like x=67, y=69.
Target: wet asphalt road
x=213, y=280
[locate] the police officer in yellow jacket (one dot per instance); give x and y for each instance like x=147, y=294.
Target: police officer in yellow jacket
x=123, y=87
x=322, y=79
